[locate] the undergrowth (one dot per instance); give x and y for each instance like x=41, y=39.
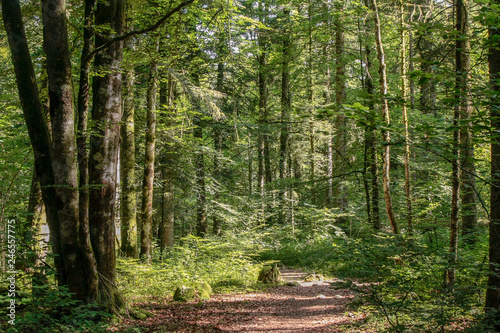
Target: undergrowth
x=227, y=264
x=399, y=282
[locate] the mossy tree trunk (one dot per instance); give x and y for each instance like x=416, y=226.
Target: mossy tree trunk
x=149, y=167
x=127, y=165
x=104, y=144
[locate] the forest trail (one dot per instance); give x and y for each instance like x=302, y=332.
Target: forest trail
x=304, y=307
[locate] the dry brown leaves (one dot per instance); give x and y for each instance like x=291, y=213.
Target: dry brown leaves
x=311, y=307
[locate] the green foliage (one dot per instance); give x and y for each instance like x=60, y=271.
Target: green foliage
x=49, y=309
x=398, y=282
x=224, y=263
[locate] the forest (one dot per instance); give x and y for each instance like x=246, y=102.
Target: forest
x=168, y=165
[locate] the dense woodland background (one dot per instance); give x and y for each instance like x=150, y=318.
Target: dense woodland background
x=350, y=138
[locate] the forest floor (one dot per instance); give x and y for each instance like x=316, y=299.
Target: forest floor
x=303, y=307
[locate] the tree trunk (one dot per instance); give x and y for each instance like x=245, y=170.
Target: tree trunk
x=493, y=290
x=201, y=195
x=467, y=170
x=217, y=130
x=149, y=167
x=81, y=142
x=262, y=144
x=128, y=205
x=104, y=147
x=370, y=135
x=286, y=109
x=64, y=162
x=167, y=231
x=310, y=100
x=340, y=122
x=405, y=124
x=385, y=113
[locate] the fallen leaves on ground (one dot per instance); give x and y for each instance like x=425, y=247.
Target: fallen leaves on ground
x=310, y=307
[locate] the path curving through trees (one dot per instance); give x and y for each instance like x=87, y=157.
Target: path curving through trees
x=303, y=307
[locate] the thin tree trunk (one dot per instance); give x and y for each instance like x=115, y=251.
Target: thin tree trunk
x=467, y=171
x=310, y=100
x=149, y=167
x=104, y=147
x=340, y=122
x=370, y=135
x=262, y=171
x=128, y=205
x=81, y=142
x=217, y=129
x=385, y=113
x=493, y=290
x=201, y=196
x=167, y=228
x=405, y=124
x=455, y=187
x=286, y=107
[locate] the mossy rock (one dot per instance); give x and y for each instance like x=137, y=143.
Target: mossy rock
x=198, y=291
x=269, y=274
x=204, y=290
x=140, y=314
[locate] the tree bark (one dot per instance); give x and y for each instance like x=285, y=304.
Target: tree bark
x=370, y=133
x=64, y=162
x=149, y=167
x=385, y=113
x=340, y=122
x=262, y=144
x=493, y=290
x=81, y=142
x=218, y=144
x=310, y=100
x=167, y=229
x=286, y=108
x=128, y=204
x=201, y=195
x=409, y=219
x=104, y=147
x=467, y=167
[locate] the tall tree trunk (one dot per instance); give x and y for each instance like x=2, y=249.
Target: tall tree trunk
x=385, y=113
x=340, y=122
x=370, y=133
x=104, y=147
x=405, y=124
x=149, y=167
x=467, y=171
x=168, y=172
x=310, y=100
x=201, y=196
x=217, y=130
x=493, y=290
x=128, y=205
x=286, y=108
x=81, y=142
x=262, y=141
x=455, y=189
x=329, y=171
x=64, y=163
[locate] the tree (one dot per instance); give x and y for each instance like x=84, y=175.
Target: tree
x=386, y=116
x=149, y=166
x=128, y=203
x=493, y=291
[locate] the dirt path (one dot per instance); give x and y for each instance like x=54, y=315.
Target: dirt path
x=304, y=307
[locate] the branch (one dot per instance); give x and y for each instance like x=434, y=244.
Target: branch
x=138, y=32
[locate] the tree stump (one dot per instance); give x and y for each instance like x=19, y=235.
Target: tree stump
x=269, y=274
